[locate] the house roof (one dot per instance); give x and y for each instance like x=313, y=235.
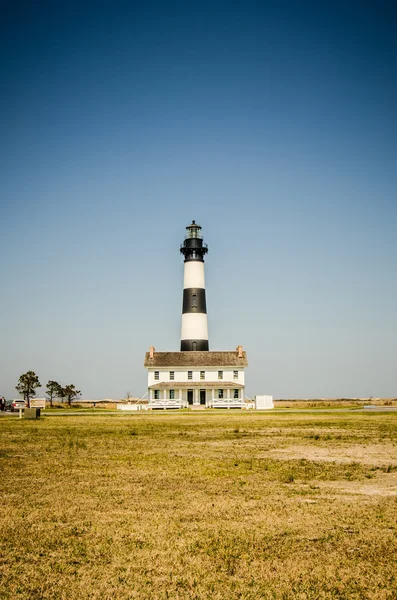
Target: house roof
x=196, y=359
x=179, y=385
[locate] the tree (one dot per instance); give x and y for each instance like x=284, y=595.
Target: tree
x=129, y=398
x=53, y=390
x=27, y=384
x=70, y=393
x=61, y=393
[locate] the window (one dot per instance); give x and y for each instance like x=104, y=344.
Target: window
x=202, y=374
x=157, y=375
x=220, y=374
x=194, y=346
x=172, y=394
x=172, y=375
x=235, y=374
x=157, y=394
x=194, y=300
x=235, y=395
x=220, y=393
x=190, y=374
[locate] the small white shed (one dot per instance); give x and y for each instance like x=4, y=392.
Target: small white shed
x=263, y=402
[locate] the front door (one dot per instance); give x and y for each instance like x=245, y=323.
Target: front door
x=190, y=396
x=202, y=396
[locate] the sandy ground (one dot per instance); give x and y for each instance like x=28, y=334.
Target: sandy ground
x=383, y=484
x=374, y=454
x=379, y=455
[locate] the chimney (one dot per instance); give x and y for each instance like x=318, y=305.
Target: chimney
x=240, y=351
x=151, y=352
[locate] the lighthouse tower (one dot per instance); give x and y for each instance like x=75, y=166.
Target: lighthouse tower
x=194, y=335
x=195, y=377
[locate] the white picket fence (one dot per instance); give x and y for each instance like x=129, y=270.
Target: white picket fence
x=216, y=403
x=227, y=403
x=165, y=404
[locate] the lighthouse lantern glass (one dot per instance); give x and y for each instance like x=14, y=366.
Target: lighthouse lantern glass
x=193, y=231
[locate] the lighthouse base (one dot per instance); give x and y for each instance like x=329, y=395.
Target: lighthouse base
x=194, y=345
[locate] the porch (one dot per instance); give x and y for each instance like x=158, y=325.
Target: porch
x=222, y=394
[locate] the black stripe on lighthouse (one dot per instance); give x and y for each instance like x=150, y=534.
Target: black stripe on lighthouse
x=194, y=301
x=194, y=345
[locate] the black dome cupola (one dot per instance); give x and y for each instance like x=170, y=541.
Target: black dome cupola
x=193, y=248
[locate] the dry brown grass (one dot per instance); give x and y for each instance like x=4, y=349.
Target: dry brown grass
x=204, y=506
x=334, y=402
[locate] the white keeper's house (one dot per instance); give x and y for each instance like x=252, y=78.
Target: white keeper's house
x=195, y=376
x=210, y=379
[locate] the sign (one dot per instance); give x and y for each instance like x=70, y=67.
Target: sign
x=37, y=403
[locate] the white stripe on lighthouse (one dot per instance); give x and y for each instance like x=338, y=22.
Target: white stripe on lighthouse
x=194, y=326
x=194, y=275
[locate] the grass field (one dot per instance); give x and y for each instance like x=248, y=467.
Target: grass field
x=199, y=505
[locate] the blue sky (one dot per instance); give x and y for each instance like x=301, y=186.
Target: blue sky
x=273, y=124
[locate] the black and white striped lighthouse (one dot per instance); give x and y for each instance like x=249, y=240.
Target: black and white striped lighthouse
x=194, y=335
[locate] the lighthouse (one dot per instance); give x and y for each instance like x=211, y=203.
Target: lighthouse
x=195, y=377
x=194, y=334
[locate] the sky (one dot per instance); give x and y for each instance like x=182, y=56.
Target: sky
x=272, y=124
